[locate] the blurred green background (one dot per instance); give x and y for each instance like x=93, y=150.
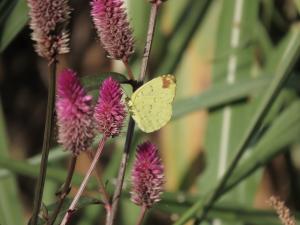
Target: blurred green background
x=224, y=54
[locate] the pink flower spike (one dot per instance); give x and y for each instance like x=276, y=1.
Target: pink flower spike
x=110, y=110
x=113, y=28
x=147, y=176
x=48, y=19
x=74, y=113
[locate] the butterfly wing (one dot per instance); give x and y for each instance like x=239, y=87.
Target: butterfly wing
x=151, y=104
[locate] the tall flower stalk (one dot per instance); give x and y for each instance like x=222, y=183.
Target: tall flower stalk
x=109, y=115
x=131, y=124
x=47, y=21
x=72, y=207
x=110, y=20
x=75, y=124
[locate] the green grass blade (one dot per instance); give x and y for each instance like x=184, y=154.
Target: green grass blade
x=220, y=95
x=284, y=131
x=234, y=62
x=168, y=199
x=10, y=202
x=14, y=24
x=178, y=43
x=282, y=72
x=297, y=3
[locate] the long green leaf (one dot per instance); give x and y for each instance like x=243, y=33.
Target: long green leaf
x=14, y=24
x=235, y=62
x=282, y=72
x=10, y=203
x=220, y=95
x=176, y=45
x=228, y=212
x=284, y=131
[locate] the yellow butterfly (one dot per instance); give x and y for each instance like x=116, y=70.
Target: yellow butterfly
x=151, y=104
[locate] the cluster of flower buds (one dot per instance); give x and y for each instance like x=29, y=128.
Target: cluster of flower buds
x=76, y=122
x=147, y=176
x=48, y=20
x=113, y=28
x=77, y=118
x=74, y=113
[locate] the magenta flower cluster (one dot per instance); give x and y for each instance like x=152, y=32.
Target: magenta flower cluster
x=113, y=28
x=147, y=176
x=47, y=21
x=76, y=116
x=110, y=110
x=74, y=113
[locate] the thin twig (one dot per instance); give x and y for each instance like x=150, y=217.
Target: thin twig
x=102, y=190
x=64, y=191
x=46, y=145
x=84, y=182
x=121, y=175
x=148, y=46
x=129, y=71
x=130, y=129
x=142, y=215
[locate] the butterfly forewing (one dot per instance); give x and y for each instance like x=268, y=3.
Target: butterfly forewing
x=151, y=104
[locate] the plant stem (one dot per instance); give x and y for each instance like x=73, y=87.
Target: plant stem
x=46, y=145
x=142, y=215
x=131, y=125
x=102, y=189
x=121, y=174
x=129, y=71
x=148, y=46
x=65, y=190
x=84, y=182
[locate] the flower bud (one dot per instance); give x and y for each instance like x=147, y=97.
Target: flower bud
x=113, y=28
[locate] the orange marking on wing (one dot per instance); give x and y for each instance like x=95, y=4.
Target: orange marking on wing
x=167, y=80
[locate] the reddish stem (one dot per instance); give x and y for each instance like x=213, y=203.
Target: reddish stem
x=142, y=215
x=84, y=182
x=129, y=71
